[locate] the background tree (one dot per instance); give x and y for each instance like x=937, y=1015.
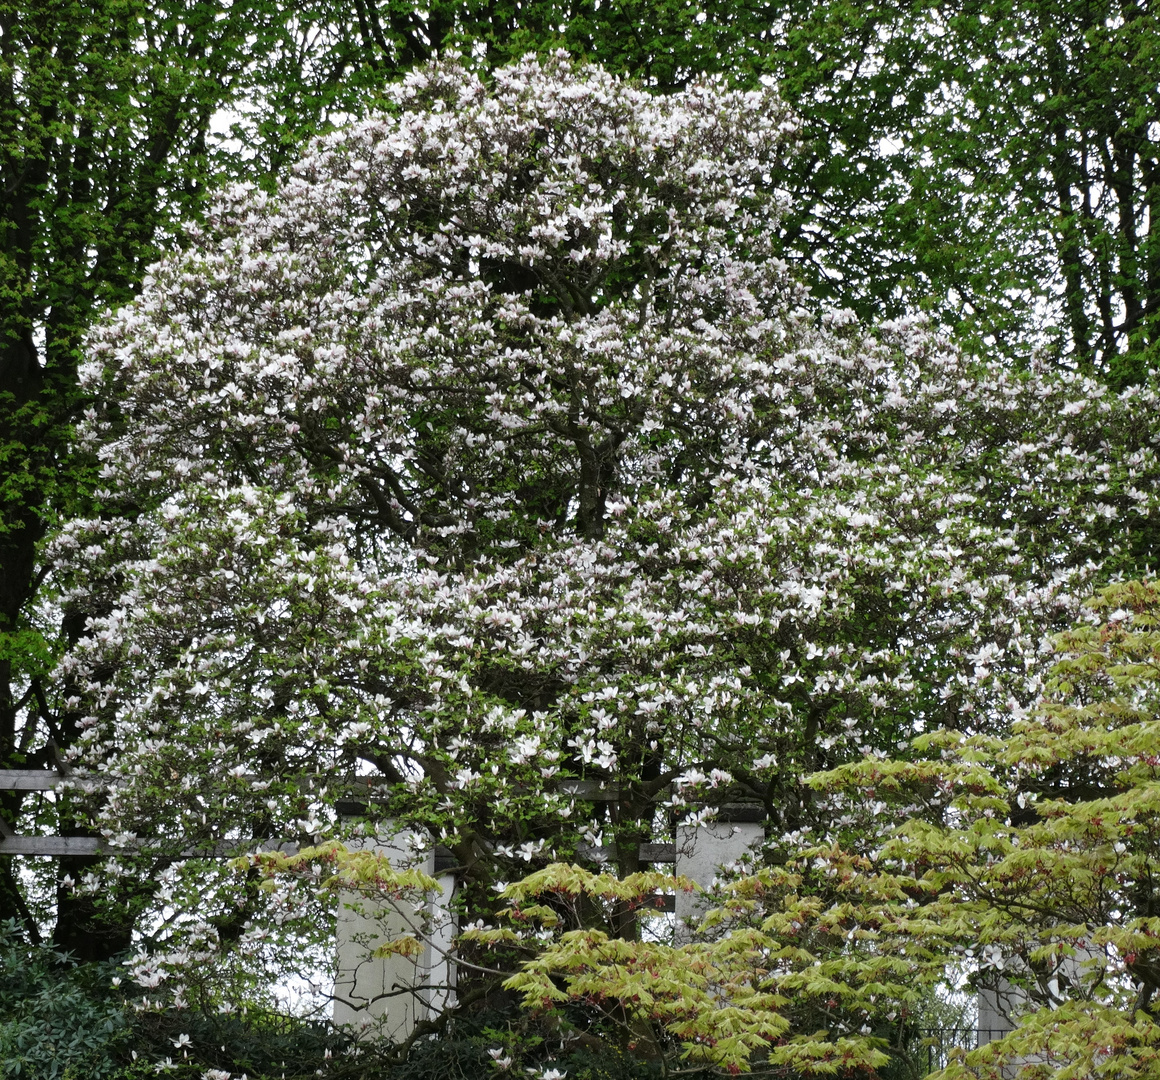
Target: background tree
x=1042, y=147
x=97, y=103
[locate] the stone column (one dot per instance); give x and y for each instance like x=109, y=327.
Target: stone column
x=385, y=997
x=439, y=969
x=1000, y=1008
x=701, y=852
x=995, y=1010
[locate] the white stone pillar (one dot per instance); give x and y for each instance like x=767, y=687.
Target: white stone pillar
x=701, y=852
x=385, y=997
x=1000, y=1007
x=996, y=1008
x=440, y=971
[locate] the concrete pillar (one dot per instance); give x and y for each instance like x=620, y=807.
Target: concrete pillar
x=385, y=997
x=701, y=852
x=1000, y=1006
x=996, y=1008
x=440, y=970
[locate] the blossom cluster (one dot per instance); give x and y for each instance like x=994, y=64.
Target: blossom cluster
x=496, y=448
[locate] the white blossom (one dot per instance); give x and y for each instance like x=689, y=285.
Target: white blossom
x=472, y=467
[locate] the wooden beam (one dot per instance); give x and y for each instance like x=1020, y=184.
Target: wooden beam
x=585, y=790
x=28, y=780
x=94, y=845
x=50, y=845
x=658, y=853
x=45, y=780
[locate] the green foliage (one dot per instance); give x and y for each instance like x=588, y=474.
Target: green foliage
x=725, y=999
x=57, y=1019
x=1033, y=857
x=1046, y=138
x=1027, y=859
x=502, y=1043
x=259, y=1042
x=60, y=1020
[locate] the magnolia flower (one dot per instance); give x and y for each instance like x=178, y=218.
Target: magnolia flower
x=458, y=421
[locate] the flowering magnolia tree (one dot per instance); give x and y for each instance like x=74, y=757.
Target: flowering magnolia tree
x=495, y=449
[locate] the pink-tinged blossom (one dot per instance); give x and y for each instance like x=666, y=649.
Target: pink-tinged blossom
x=498, y=449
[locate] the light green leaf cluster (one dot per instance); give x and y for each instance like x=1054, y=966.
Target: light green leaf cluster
x=731, y=996
x=1039, y=865
x=367, y=872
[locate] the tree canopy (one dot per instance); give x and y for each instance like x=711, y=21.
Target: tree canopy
x=1028, y=857
x=767, y=551
x=1035, y=852
x=496, y=448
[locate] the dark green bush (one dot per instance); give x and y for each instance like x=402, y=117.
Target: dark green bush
x=57, y=1019
x=258, y=1043
x=60, y=1020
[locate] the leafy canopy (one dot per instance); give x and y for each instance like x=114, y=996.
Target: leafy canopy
x=1035, y=853
x=497, y=449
